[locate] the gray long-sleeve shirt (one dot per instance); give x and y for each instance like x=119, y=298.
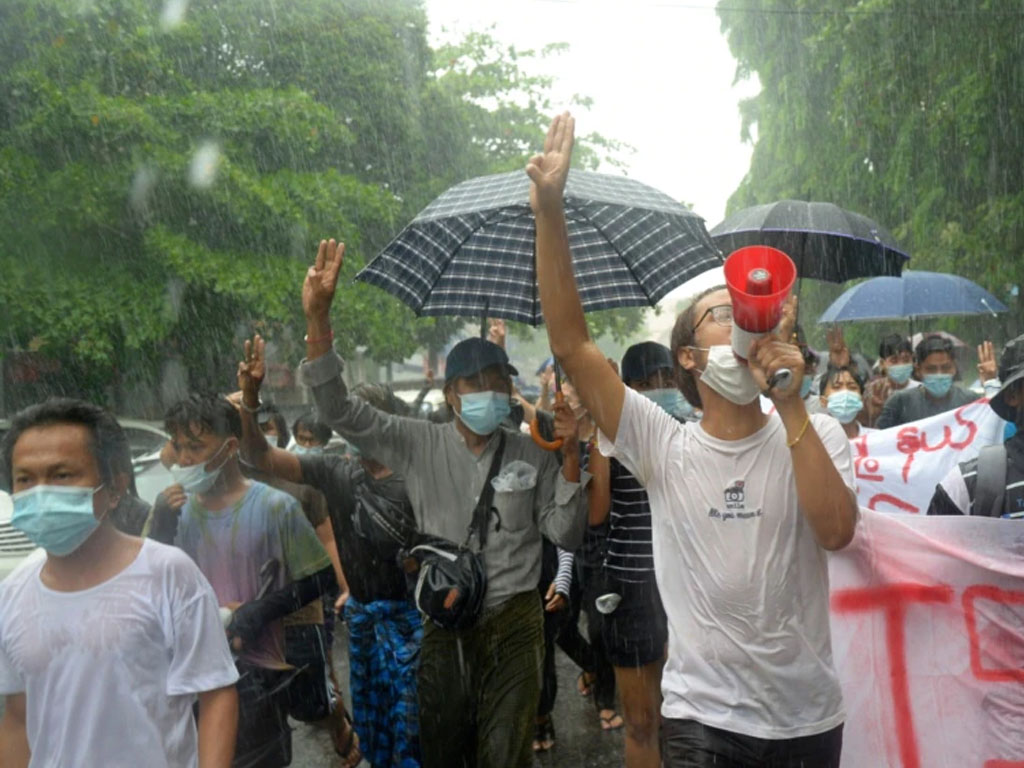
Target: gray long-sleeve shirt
x=444, y=480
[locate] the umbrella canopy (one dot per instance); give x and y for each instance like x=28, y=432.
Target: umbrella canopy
x=471, y=251
x=826, y=242
x=915, y=294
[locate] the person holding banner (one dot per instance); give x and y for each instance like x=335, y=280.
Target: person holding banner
x=992, y=483
x=743, y=504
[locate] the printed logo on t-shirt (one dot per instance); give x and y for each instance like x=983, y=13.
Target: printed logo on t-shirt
x=735, y=495
x=735, y=504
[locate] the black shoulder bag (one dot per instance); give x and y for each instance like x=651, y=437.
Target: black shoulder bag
x=448, y=580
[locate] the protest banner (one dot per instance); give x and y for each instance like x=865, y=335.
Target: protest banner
x=897, y=469
x=928, y=638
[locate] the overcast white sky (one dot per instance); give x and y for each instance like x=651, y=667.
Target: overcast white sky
x=659, y=71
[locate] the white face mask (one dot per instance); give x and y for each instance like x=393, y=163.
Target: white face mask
x=727, y=376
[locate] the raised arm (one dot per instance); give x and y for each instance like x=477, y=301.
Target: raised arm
x=255, y=448
x=391, y=440
x=600, y=390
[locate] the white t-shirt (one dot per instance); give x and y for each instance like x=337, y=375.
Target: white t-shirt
x=110, y=673
x=743, y=582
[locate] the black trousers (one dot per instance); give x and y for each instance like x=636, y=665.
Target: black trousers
x=689, y=744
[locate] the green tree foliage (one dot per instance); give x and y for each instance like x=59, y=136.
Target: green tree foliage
x=909, y=111
x=164, y=181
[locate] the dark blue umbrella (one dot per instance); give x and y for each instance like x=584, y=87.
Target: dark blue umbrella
x=915, y=294
x=470, y=252
x=826, y=242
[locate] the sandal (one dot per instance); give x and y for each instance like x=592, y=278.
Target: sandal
x=584, y=688
x=543, y=735
x=346, y=741
x=610, y=722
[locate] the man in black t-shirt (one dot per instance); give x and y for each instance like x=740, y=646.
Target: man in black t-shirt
x=385, y=629
x=957, y=492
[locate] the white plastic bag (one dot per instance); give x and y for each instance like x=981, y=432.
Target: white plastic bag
x=515, y=476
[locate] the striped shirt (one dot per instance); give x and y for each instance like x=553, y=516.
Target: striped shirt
x=630, y=557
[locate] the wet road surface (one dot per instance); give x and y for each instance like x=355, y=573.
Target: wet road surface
x=579, y=740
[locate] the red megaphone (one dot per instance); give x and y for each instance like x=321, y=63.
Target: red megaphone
x=759, y=279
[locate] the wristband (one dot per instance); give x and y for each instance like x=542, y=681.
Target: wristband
x=799, y=437
x=328, y=337
x=247, y=409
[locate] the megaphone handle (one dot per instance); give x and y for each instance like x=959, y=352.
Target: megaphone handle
x=547, y=445
x=780, y=379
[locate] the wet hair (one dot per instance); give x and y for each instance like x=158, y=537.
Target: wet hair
x=108, y=443
x=930, y=345
x=834, y=370
x=682, y=337
x=278, y=420
x=893, y=344
x=308, y=421
x=381, y=397
x=210, y=411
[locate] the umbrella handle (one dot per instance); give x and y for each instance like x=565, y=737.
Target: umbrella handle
x=547, y=445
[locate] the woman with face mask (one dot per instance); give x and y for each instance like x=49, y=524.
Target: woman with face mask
x=842, y=397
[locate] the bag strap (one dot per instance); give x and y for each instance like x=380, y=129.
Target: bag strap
x=990, y=487
x=482, y=512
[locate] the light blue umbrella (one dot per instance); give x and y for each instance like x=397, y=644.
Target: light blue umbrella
x=915, y=294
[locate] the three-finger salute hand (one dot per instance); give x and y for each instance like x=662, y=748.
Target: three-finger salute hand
x=548, y=171
x=253, y=368
x=987, y=368
x=322, y=279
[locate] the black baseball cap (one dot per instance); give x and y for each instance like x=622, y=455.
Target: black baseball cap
x=643, y=360
x=470, y=356
x=1011, y=371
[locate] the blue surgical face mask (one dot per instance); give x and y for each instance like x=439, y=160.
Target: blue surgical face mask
x=670, y=399
x=938, y=384
x=307, y=450
x=58, y=518
x=484, y=411
x=196, y=478
x=805, y=386
x=845, y=405
x=900, y=374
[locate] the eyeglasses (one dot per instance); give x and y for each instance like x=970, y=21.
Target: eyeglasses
x=720, y=313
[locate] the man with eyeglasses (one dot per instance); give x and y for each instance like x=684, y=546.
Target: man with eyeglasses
x=743, y=504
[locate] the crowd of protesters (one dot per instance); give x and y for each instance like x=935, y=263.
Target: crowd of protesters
x=461, y=553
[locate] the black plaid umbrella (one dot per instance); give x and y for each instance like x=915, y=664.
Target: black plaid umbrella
x=826, y=242
x=471, y=251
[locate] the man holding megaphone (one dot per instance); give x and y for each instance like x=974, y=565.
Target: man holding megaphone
x=744, y=504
